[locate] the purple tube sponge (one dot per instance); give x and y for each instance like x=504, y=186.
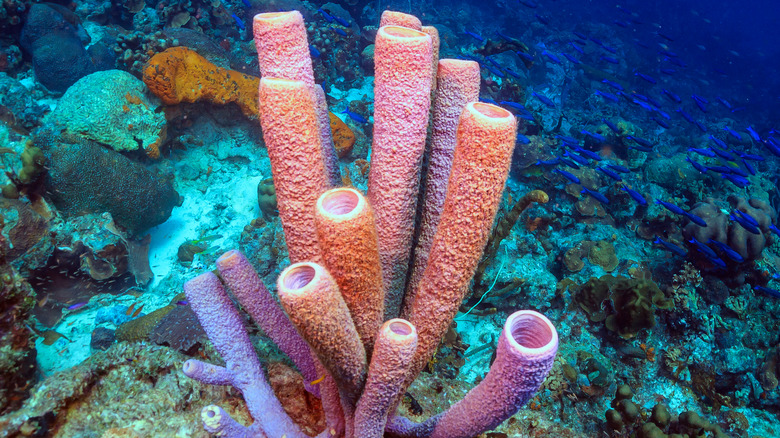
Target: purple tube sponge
x=525, y=354
x=243, y=281
x=225, y=329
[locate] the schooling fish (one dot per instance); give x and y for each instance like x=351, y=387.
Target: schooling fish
x=702, y=151
x=593, y=135
x=522, y=139
x=718, y=142
x=671, y=96
x=671, y=247
x=610, y=173
x=552, y=57
x=772, y=145
x=342, y=21
x=695, y=219
x=733, y=133
x=704, y=249
x=614, y=85
x=739, y=181
x=753, y=134
x=553, y=162
x=545, y=100
x=609, y=59
x=567, y=175
x=339, y=31
x=608, y=96
x=474, y=35
x=646, y=77
x=239, y=22
x=619, y=168
x=571, y=59
x=527, y=56
x=767, y=291
x=660, y=122
x=595, y=195
x=314, y=52
x=671, y=207
x=354, y=116
x=569, y=163
x=641, y=141
x=747, y=217
x=578, y=158
x=636, y=196
x=611, y=126
x=568, y=140
x=329, y=18
x=576, y=47
x=729, y=251
x=589, y=154
x=696, y=165
x=745, y=224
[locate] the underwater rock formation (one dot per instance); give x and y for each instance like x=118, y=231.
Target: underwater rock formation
x=84, y=177
x=113, y=108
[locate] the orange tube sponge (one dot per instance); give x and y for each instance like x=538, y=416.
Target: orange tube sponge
x=395, y=347
x=347, y=236
x=291, y=134
x=458, y=84
x=311, y=298
x=179, y=75
x=395, y=18
x=402, y=87
x=486, y=138
x=283, y=52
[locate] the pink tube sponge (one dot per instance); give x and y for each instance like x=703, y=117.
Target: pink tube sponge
x=402, y=87
x=458, y=84
x=525, y=354
x=283, y=47
x=395, y=346
x=395, y=18
x=486, y=139
x=292, y=137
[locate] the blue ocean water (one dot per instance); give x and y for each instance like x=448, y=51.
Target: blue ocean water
x=637, y=214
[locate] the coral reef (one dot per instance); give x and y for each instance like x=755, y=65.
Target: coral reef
x=84, y=177
x=112, y=108
x=632, y=303
x=17, y=355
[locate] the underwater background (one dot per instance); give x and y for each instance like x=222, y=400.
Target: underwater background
x=639, y=214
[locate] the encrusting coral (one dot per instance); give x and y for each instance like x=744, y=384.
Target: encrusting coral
x=327, y=337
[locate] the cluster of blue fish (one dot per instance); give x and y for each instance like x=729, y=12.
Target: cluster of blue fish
x=728, y=153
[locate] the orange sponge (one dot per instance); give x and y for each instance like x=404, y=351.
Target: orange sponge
x=180, y=75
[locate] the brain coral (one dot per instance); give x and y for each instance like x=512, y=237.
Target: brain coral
x=114, y=108
x=84, y=177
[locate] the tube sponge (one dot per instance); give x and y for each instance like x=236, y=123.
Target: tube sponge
x=486, y=139
x=402, y=100
x=291, y=134
x=283, y=47
x=395, y=346
x=525, y=354
x=312, y=300
x=458, y=84
x=243, y=281
x=347, y=237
